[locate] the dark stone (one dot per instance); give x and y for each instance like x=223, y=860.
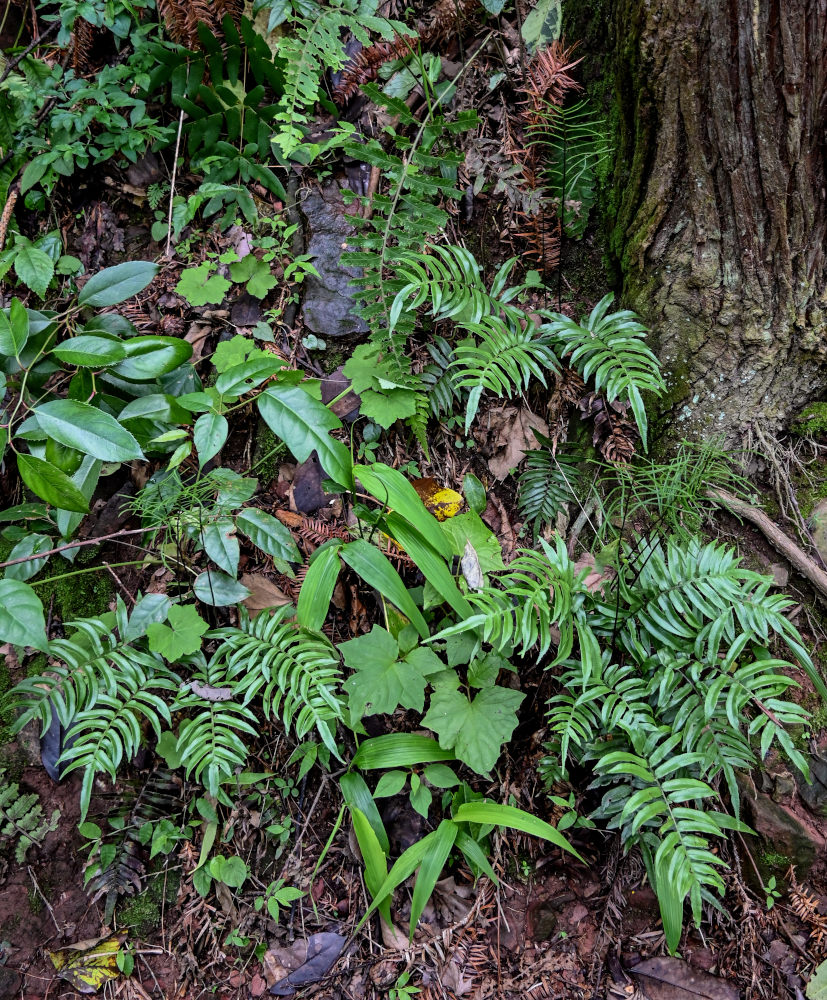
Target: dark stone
x=814, y=794
x=9, y=983
x=781, y=830
x=308, y=494
x=246, y=311
x=328, y=308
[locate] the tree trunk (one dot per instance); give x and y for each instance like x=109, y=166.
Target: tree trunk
x=719, y=214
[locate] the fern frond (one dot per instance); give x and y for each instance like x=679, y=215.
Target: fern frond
x=109, y=732
x=210, y=742
x=534, y=594
x=442, y=391
x=548, y=480
x=294, y=671
x=609, y=347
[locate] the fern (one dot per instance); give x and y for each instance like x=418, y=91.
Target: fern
x=548, y=480
x=442, y=391
x=575, y=144
x=22, y=819
x=293, y=671
x=609, y=348
x=210, y=741
x=314, y=45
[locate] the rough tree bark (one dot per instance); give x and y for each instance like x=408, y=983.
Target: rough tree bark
x=719, y=214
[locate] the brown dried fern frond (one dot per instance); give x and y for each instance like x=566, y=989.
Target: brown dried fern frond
x=542, y=235
x=83, y=38
x=440, y=25
x=547, y=76
x=805, y=906
x=174, y=14
x=182, y=17
x=614, y=435
x=364, y=66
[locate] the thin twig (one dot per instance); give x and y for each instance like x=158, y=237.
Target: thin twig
x=14, y=63
x=172, y=182
x=120, y=583
x=73, y=545
x=46, y=902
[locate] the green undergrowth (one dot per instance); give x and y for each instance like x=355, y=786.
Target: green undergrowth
x=143, y=913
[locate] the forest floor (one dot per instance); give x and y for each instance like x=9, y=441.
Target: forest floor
x=554, y=927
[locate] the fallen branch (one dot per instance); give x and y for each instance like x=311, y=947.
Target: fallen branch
x=797, y=557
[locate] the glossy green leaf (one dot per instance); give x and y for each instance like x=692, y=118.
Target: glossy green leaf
x=209, y=434
x=31, y=545
x=50, y=484
x=431, y=869
x=14, y=329
x=357, y=796
x=375, y=859
x=89, y=430
x=218, y=589
x=514, y=819
x=303, y=422
x=21, y=616
x=399, y=750
x=86, y=479
x=116, y=284
x=34, y=267
x=87, y=351
x=318, y=586
x=377, y=571
x=268, y=534
x=148, y=358
x=221, y=544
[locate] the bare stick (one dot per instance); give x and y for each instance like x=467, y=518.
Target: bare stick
x=74, y=545
x=785, y=545
x=172, y=181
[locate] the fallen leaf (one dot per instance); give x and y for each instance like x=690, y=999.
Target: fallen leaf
x=470, y=566
x=393, y=937
x=322, y=951
x=596, y=575
x=507, y=437
x=263, y=594
x=666, y=978
x=440, y=501
x=87, y=965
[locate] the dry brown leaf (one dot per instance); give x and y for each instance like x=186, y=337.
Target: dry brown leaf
x=596, y=576
x=392, y=937
x=508, y=436
x=665, y=978
x=263, y=594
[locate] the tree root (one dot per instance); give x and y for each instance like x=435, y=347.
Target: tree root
x=783, y=543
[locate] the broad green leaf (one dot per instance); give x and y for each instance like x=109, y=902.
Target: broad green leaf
x=375, y=859
x=21, y=616
x=474, y=493
x=202, y=286
x=50, y=484
x=268, y=534
x=817, y=986
x=391, y=783
x=89, y=430
x=111, y=323
x=302, y=423
x=116, y=284
x=148, y=358
x=209, y=434
x=542, y=26
x=318, y=586
x=86, y=479
x=382, y=680
x=377, y=571
x=181, y=637
x=357, y=796
x=431, y=869
x=243, y=377
x=31, y=545
x=399, y=750
x=514, y=819
x=217, y=588
x=231, y=871
x=221, y=544
x=33, y=267
x=88, y=351
x=392, y=489
x=440, y=776
x=474, y=730
x=475, y=856
x=14, y=329
x=430, y=562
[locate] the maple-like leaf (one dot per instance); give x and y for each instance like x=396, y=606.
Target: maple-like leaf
x=474, y=730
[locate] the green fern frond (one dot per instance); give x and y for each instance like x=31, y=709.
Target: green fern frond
x=502, y=361
x=548, y=480
x=609, y=348
x=109, y=732
x=210, y=741
x=294, y=671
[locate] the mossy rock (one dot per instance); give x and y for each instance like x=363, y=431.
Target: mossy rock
x=86, y=595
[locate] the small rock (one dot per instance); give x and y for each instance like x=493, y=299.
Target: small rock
x=257, y=986
x=308, y=494
x=818, y=527
x=780, y=828
x=328, y=308
x=236, y=978
x=814, y=793
x=780, y=574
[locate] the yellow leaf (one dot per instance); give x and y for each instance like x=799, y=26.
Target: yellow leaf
x=440, y=501
x=87, y=965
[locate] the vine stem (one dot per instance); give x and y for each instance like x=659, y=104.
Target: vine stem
x=172, y=183
x=72, y=545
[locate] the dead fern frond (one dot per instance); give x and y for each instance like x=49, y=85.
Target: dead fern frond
x=547, y=77
x=541, y=232
x=182, y=17
x=805, y=906
x=614, y=435
x=83, y=38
